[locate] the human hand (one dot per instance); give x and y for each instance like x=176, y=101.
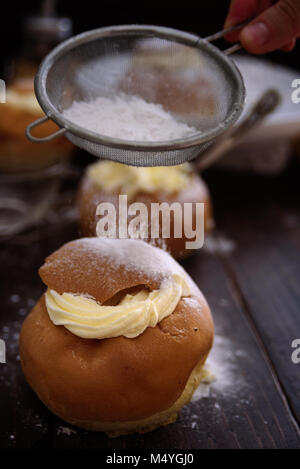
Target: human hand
x=276, y=24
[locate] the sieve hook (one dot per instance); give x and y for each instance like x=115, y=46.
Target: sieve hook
x=42, y=139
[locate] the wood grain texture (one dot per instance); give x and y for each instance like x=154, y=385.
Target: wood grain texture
x=246, y=406
x=264, y=225
x=244, y=410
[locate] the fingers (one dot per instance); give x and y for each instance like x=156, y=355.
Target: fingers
x=289, y=47
x=275, y=28
x=239, y=11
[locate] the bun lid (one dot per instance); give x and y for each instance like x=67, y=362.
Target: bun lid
x=103, y=267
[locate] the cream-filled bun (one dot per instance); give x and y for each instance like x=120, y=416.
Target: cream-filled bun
x=118, y=341
x=104, y=181
x=17, y=153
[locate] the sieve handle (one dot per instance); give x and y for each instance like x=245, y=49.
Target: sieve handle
x=267, y=103
x=42, y=139
x=233, y=49
x=220, y=34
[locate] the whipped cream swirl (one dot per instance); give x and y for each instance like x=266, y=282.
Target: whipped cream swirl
x=86, y=318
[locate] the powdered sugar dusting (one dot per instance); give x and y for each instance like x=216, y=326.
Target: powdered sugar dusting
x=134, y=254
x=127, y=118
x=219, y=244
x=65, y=431
x=223, y=364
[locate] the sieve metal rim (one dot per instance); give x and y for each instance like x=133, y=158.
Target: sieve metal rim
x=162, y=32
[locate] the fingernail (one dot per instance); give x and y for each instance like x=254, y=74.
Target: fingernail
x=257, y=33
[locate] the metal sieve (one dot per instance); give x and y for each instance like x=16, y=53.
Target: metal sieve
x=191, y=78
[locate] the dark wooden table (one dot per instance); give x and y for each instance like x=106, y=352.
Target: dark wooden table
x=250, y=274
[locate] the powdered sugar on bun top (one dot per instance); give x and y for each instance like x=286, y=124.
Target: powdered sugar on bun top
x=134, y=255
x=102, y=267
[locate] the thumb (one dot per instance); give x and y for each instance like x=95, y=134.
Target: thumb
x=274, y=28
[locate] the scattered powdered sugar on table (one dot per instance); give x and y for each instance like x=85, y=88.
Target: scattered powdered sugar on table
x=219, y=244
x=222, y=364
x=127, y=118
x=65, y=431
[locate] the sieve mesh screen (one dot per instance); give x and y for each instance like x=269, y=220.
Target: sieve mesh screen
x=198, y=86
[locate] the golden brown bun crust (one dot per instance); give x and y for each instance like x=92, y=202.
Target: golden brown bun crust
x=115, y=379
x=90, y=195
x=17, y=153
